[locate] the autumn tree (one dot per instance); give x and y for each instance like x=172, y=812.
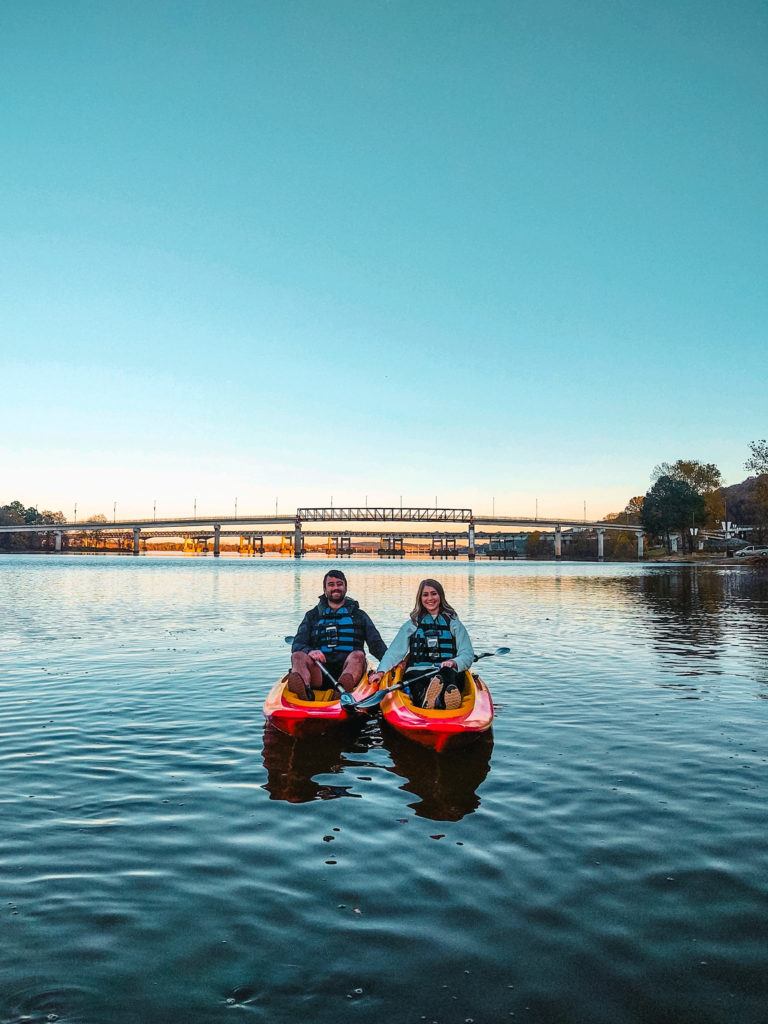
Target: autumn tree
x=702, y=477
x=758, y=463
x=758, y=460
x=705, y=478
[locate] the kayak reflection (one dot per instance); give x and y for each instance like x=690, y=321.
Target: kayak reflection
x=292, y=764
x=446, y=784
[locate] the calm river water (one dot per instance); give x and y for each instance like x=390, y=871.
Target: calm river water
x=164, y=859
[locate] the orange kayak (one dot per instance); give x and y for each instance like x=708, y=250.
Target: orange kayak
x=297, y=717
x=440, y=730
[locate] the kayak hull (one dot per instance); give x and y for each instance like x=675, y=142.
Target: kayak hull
x=439, y=730
x=297, y=717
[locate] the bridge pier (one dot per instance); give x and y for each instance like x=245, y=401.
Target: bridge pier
x=471, y=540
x=443, y=547
x=136, y=535
x=639, y=544
x=298, y=540
x=558, y=543
x=600, y=540
x=391, y=547
x=216, y=540
x=57, y=541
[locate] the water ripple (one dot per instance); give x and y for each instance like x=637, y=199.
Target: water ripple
x=168, y=858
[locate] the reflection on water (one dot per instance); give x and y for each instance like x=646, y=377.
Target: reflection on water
x=446, y=784
x=292, y=764
x=167, y=858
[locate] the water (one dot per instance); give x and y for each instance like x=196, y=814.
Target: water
x=163, y=859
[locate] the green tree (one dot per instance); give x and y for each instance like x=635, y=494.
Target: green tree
x=672, y=504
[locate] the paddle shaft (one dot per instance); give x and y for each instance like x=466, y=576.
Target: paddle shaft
x=376, y=698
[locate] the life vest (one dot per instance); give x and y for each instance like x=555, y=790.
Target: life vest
x=432, y=641
x=337, y=632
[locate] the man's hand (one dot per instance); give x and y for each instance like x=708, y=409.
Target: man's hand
x=375, y=677
x=316, y=656
x=448, y=664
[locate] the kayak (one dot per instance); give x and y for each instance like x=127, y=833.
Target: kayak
x=297, y=717
x=440, y=730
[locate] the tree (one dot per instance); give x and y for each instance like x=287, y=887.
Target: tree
x=536, y=546
x=758, y=460
x=672, y=504
x=702, y=477
x=630, y=514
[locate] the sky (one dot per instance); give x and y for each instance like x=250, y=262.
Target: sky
x=499, y=255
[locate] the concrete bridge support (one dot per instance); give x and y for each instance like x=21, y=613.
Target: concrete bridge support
x=298, y=540
x=471, y=541
x=216, y=540
x=57, y=541
x=639, y=544
x=558, y=543
x=600, y=540
x=136, y=536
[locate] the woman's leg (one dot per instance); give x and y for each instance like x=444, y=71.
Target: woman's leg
x=417, y=690
x=450, y=698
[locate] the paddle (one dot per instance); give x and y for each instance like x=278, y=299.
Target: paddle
x=346, y=699
x=376, y=698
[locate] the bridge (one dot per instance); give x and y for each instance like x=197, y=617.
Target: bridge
x=250, y=524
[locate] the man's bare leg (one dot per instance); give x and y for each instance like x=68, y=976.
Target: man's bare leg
x=304, y=675
x=353, y=670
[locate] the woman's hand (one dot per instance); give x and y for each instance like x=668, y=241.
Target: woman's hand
x=448, y=664
x=375, y=677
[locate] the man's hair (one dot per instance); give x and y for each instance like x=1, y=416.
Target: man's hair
x=336, y=573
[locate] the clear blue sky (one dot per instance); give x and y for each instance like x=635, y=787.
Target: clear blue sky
x=439, y=249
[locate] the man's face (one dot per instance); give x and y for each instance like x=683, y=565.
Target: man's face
x=335, y=590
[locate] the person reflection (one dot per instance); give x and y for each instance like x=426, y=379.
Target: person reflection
x=292, y=765
x=445, y=785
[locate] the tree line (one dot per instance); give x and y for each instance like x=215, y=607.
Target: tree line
x=688, y=495
x=17, y=514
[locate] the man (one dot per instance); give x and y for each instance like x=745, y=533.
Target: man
x=332, y=633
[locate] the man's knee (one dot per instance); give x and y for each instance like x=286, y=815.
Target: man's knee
x=355, y=665
x=300, y=660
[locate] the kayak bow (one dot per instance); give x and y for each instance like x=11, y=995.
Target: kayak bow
x=290, y=714
x=441, y=730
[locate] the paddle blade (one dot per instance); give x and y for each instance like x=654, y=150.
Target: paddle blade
x=289, y=639
x=503, y=650
x=371, y=702
x=347, y=700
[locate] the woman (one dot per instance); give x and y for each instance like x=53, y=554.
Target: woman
x=433, y=637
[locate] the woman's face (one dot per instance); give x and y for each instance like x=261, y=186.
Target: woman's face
x=430, y=599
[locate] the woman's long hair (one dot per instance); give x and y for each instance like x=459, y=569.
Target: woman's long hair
x=418, y=608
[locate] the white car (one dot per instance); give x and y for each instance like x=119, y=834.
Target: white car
x=751, y=551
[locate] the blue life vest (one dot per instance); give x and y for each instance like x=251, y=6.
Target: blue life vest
x=433, y=641
x=337, y=632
